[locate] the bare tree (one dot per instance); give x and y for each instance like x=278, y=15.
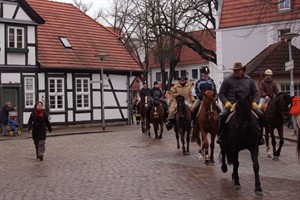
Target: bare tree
x=84, y=7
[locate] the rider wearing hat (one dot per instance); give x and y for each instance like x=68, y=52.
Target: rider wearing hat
x=238, y=81
x=156, y=94
x=267, y=88
x=203, y=84
x=180, y=88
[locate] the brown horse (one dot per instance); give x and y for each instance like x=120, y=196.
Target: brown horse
x=157, y=118
x=182, y=125
x=142, y=110
x=276, y=113
x=207, y=122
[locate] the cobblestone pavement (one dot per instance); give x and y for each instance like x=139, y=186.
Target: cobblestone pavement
x=122, y=163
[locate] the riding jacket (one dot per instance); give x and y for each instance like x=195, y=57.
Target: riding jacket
x=267, y=88
x=232, y=84
x=202, y=85
x=157, y=93
x=145, y=92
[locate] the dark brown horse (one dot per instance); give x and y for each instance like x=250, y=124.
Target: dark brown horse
x=241, y=133
x=142, y=110
x=157, y=118
x=207, y=122
x=276, y=113
x=182, y=125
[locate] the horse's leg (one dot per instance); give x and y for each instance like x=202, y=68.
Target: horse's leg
x=223, y=157
x=273, y=144
x=177, y=137
x=161, y=130
x=188, y=132
x=143, y=125
x=281, y=140
x=205, y=146
x=235, y=174
x=254, y=157
x=267, y=142
x=182, y=140
x=155, y=127
x=212, y=147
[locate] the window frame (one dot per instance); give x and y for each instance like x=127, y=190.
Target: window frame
x=15, y=47
x=195, y=73
x=282, y=5
x=56, y=94
x=82, y=93
x=158, y=76
x=30, y=92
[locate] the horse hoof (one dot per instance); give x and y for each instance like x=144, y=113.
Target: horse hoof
x=224, y=168
x=275, y=158
x=200, y=157
x=237, y=187
x=206, y=162
x=259, y=193
x=160, y=137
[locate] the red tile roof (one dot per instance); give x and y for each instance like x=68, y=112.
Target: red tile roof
x=86, y=36
x=274, y=57
x=188, y=55
x=248, y=12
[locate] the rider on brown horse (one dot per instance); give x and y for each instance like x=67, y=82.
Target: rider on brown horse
x=203, y=84
x=241, y=83
x=156, y=94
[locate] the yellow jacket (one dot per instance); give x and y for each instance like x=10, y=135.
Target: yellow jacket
x=185, y=91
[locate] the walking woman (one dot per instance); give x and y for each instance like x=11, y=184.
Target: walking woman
x=37, y=123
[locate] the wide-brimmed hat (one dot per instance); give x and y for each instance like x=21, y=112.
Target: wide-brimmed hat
x=237, y=66
x=183, y=78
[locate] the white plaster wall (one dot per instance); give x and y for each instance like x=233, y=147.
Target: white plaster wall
x=31, y=56
x=97, y=114
x=82, y=116
x=42, y=97
x=2, y=43
x=9, y=10
x=41, y=80
x=26, y=116
x=22, y=15
x=113, y=114
x=70, y=116
x=70, y=99
x=57, y=118
x=10, y=78
x=31, y=34
x=16, y=59
x=95, y=81
x=69, y=81
x=118, y=81
x=96, y=98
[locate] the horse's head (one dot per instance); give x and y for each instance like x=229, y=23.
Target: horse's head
x=283, y=102
x=181, y=107
x=243, y=109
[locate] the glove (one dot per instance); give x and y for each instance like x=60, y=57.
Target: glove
x=267, y=97
x=254, y=105
x=228, y=105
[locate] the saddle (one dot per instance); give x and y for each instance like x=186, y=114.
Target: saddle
x=264, y=106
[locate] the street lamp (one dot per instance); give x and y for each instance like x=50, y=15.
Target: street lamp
x=290, y=66
x=102, y=56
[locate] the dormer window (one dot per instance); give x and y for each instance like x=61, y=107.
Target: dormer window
x=65, y=42
x=16, y=41
x=284, y=4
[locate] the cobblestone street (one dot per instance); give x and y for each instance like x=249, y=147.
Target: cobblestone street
x=123, y=163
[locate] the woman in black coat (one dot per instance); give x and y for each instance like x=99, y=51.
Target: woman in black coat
x=37, y=124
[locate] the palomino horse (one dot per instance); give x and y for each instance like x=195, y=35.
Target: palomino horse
x=242, y=133
x=157, y=118
x=183, y=124
x=276, y=112
x=142, y=109
x=207, y=120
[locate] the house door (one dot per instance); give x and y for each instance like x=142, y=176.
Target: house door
x=12, y=94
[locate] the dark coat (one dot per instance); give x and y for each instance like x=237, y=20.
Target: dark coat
x=38, y=126
x=4, y=114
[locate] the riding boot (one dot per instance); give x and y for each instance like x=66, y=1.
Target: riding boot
x=170, y=123
x=261, y=140
x=259, y=113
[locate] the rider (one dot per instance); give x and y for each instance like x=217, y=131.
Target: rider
x=203, y=84
x=267, y=88
x=183, y=88
x=157, y=94
x=237, y=82
x=145, y=91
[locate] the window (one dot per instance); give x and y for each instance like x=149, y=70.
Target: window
x=56, y=94
x=195, y=73
x=65, y=42
x=16, y=37
x=183, y=73
x=158, y=76
x=29, y=90
x=284, y=4
x=176, y=75
x=286, y=88
x=82, y=93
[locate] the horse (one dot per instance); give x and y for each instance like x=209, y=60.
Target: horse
x=207, y=122
x=242, y=132
x=142, y=110
x=182, y=124
x=157, y=115
x=275, y=114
